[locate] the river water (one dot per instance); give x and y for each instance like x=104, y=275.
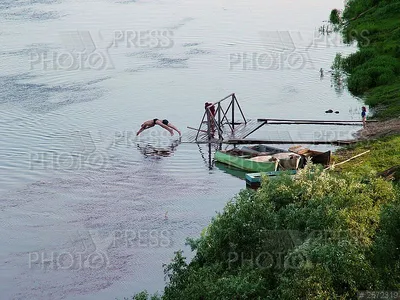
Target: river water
x=89, y=211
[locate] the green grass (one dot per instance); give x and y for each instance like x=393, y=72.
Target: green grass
x=384, y=154
x=386, y=100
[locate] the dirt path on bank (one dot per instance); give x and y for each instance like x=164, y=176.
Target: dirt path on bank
x=375, y=130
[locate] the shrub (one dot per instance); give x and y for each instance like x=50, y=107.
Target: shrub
x=334, y=18
x=386, y=250
x=357, y=59
x=367, y=74
x=309, y=237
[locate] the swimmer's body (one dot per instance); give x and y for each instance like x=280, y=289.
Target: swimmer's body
x=164, y=124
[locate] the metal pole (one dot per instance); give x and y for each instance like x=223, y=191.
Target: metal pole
x=255, y=129
x=223, y=99
x=233, y=111
x=208, y=124
x=201, y=123
x=237, y=102
x=219, y=121
x=225, y=117
x=209, y=157
x=215, y=124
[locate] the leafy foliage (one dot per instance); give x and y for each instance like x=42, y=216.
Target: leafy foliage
x=386, y=250
x=374, y=26
x=334, y=18
x=144, y=296
x=318, y=236
x=376, y=71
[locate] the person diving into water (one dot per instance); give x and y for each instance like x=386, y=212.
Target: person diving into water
x=164, y=124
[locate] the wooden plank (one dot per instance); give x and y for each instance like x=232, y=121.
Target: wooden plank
x=196, y=129
x=315, y=121
x=255, y=129
x=347, y=160
x=243, y=130
x=268, y=142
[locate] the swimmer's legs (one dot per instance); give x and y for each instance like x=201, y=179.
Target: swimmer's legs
x=174, y=128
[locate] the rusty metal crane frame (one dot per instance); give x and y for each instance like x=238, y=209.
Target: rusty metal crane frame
x=221, y=117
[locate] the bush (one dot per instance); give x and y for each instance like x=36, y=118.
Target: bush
x=368, y=74
x=334, y=18
x=144, y=296
x=386, y=250
x=309, y=237
x=357, y=59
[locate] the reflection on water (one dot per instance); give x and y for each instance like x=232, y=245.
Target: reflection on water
x=231, y=170
x=148, y=149
x=207, y=155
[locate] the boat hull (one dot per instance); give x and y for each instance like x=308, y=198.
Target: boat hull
x=244, y=163
x=285, y=163
x=322, y=158
x=317, y=157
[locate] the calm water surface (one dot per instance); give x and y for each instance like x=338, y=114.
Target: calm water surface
x=87, y=210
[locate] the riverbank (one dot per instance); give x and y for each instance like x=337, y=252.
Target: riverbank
x=303, y=238
x=379, y=129
x=374, y=70
x=382, y=140
x=373, y=73
x=384, y=154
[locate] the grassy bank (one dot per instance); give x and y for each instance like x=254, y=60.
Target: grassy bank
x=384, y=154
x=324, y=235
x=374, y=70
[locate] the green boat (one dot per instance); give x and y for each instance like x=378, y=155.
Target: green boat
x=246, y=161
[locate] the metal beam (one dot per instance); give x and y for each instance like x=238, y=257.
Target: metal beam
x=258, y=127
x=315, y=121
x=268, y=142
